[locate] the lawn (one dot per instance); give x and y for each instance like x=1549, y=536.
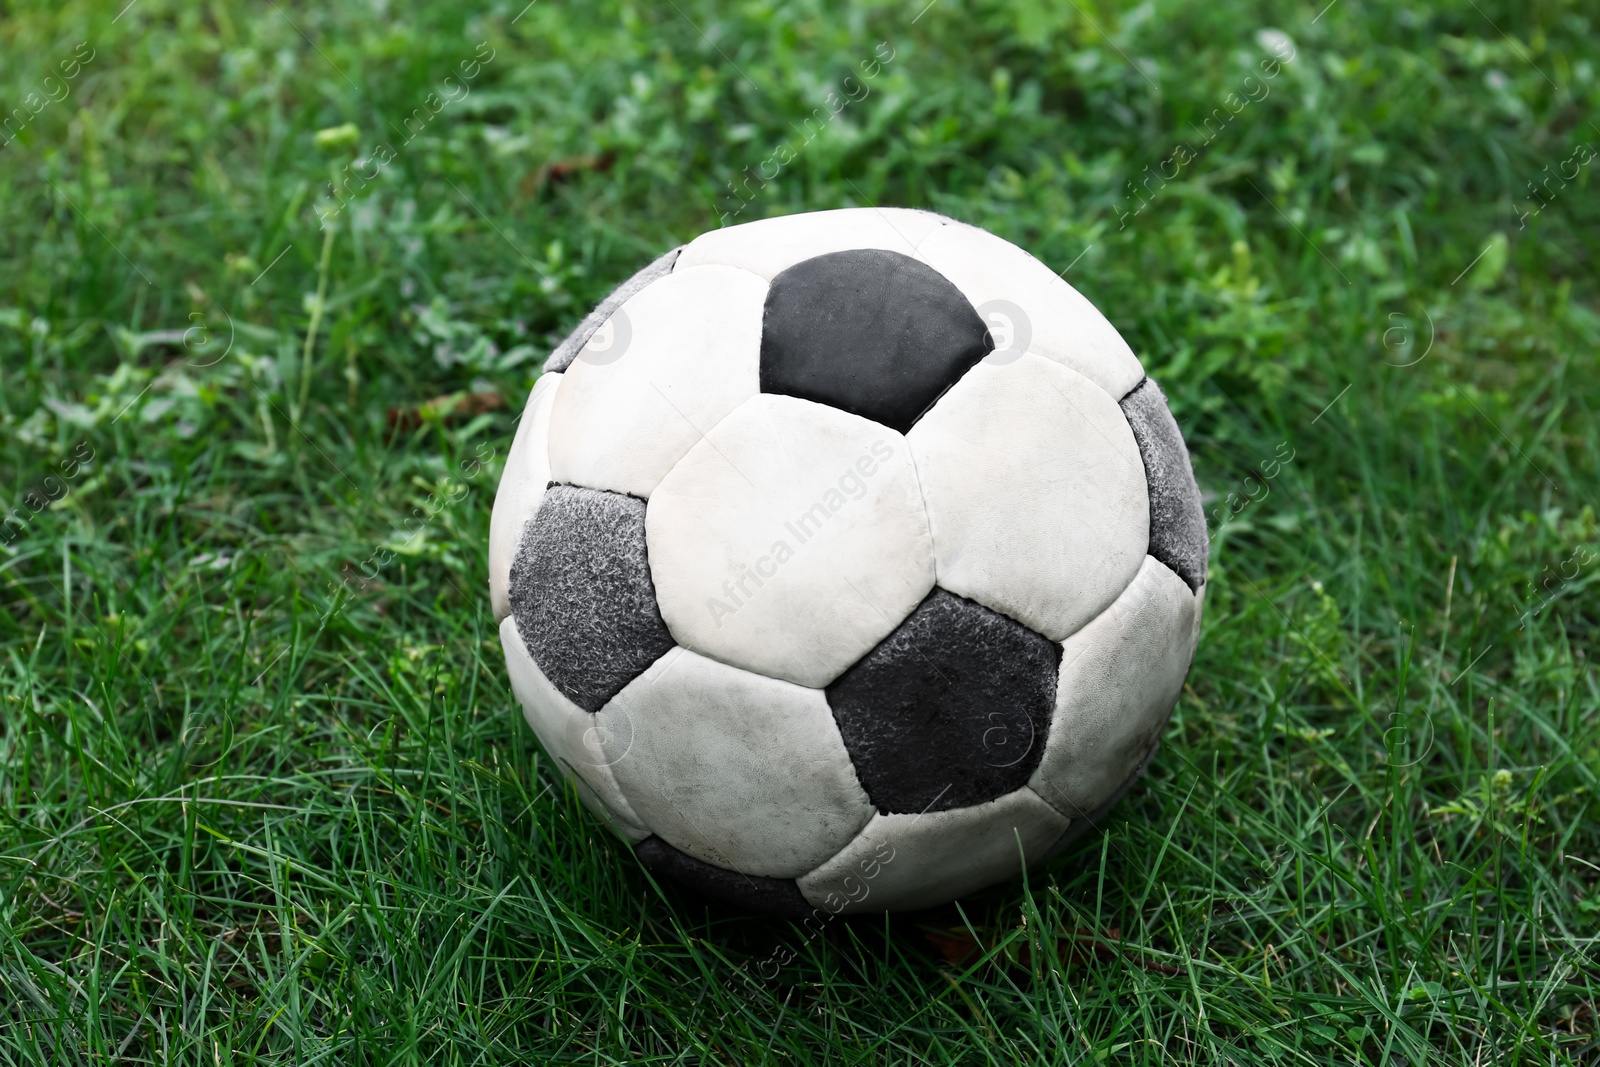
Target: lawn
x=275, y=280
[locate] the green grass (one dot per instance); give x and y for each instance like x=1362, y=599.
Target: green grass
x=264, y=796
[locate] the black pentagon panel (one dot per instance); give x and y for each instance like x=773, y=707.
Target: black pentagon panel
x=568, y=350
x=1177, y=519
x=950, y=710
x=582, y=595
x=753, y=892
x=875, y=333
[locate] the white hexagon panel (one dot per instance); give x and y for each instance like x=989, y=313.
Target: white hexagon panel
x=791, y=540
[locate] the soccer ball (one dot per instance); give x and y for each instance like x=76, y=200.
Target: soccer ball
x=847, y=560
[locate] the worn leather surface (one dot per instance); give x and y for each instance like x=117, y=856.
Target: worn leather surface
x=790, y=541
x=736, y=769
x=952, y=709
x=868, y=331
x=912, y=861
x=1120, y=677
x=581, y=594
x=1177, y=520
x=567, y=733
x=686, y=356
x=522, y=485
x=1062, y=324
x=568, y=349
x=770, y=246
x=1035, y=493
x=777, y=896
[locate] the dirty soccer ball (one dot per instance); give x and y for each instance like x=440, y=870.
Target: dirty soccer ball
x=847, y=561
